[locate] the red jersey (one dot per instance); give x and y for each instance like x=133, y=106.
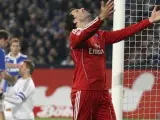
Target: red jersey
x=87, y=48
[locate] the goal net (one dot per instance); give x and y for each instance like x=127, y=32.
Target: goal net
x=141, y=98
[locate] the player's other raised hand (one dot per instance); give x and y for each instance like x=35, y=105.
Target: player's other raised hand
x=106, y=9
x=155, y=16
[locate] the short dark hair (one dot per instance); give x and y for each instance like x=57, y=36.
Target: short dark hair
x=69, y=25
x=30, y=65
x=4, y=34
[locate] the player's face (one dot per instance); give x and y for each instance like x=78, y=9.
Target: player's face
x=23, y=69
x=80, y=15
x=15, y=47
x=3, y=43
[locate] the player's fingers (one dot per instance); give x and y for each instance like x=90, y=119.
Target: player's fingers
x=102, y=4
x=111, y=12
x=155, y=8
x=109, y=2
x=110, y=7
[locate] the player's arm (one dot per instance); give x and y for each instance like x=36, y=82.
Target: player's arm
x=2, y=64
x=2, y=60
x=14, y=98
x=23, y=92
x=116, y=36
x=78, y=36
x=9, y=78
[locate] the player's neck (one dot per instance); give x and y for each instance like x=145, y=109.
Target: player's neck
x=25, y=76
x=84, y=23
x=14, y=54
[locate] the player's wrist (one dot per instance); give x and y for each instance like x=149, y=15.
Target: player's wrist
x=101, y=17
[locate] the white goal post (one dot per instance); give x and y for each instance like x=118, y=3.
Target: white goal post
x=118, y=59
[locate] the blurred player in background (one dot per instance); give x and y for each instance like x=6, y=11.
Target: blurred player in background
x=90, y=96
x=3, y=43
x=20, y=97
x=13, y=61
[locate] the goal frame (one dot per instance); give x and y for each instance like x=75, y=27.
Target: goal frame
x=118, y=60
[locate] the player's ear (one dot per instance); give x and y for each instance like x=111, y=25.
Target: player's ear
x=28, y=71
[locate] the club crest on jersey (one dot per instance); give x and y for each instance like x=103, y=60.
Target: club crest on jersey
x=96, y=35
x=97, y=46
x=96, y=50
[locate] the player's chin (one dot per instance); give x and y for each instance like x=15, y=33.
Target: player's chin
x=88, y=15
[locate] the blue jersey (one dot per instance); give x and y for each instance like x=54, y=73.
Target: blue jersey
x=13, y=71
x=15, y=60
x=2, y=60
x=2, y=64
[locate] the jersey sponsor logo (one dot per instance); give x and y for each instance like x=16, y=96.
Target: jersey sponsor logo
x=96, y=50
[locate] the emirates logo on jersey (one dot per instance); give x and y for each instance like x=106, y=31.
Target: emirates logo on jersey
x=96, y=50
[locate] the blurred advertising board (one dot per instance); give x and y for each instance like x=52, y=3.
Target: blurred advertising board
x=141, y=96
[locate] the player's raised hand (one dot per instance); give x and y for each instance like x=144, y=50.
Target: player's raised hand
x=155, y=16
x=106, y=9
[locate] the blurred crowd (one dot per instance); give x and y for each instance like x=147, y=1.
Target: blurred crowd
x=40, y=26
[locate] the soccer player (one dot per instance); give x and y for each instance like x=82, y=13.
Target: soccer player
x=13, y=61
x=90, y=96
x=20, y=97
x=3, y=43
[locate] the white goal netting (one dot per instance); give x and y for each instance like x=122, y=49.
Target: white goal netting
x=142, y=65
